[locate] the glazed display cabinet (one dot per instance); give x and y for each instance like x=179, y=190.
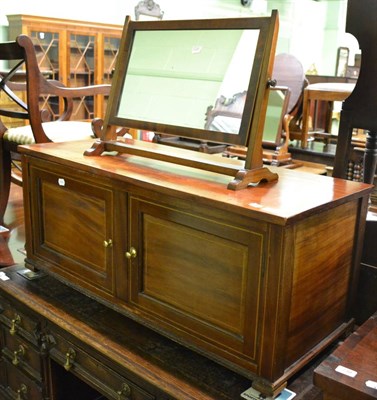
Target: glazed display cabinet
x=77, y=53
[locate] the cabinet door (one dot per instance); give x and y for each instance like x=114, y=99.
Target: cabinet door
x=111, y=46
x=105, y=67
x=46, y=45
x=72, y=226
x=82, y=52
x=196, y=276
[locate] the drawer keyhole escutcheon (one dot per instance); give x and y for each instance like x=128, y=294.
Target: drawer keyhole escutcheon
x=18, y=354
x=131, y=253
x=13, y=327
x=69, y=359
x=21, y=392
x=108, y=243
x=124, y=392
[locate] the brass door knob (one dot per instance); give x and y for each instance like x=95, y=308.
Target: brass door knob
x=131, y=253
x=108, y=243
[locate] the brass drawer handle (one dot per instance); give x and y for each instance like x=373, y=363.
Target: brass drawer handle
x=124, y=392
x=108, y=243
x=132, y=253
x=18, y=355
x=13, y=326
x=21, y=392
x=69, y=359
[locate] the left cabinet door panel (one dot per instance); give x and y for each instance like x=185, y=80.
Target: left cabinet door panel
x=72, y=220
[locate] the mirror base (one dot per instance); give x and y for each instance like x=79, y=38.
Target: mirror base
x=252, y=177
x=225, y=166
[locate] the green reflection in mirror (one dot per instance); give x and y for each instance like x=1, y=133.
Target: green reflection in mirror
x=174, y=76
x=276, y=108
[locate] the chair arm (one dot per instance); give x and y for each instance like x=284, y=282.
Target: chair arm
x=56, y=88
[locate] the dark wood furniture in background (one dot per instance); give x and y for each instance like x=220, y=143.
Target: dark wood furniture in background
x=77, y=53
x=366, y=301
x=41, y=126
x=226, y=273
x=59, y=344
x=349, y=373
x=326, y=92
x=359, y=109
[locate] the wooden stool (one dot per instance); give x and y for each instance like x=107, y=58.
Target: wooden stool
x=357, y=355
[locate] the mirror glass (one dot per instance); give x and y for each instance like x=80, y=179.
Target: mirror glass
x=175, y=77
x=277, y=106
x=198, y=79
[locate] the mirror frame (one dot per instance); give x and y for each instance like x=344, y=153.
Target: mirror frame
x=252, y=122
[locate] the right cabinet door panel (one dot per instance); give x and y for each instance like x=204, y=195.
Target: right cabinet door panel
x=198, y=274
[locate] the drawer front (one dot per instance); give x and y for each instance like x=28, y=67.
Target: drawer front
x=18, y=323
x=17, y=385
x=93, y=372
x=21, y=354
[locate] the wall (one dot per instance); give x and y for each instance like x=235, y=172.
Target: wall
x=311, y=30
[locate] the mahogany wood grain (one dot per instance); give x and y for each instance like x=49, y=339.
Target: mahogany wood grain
x=259, y=280
x=283, y=204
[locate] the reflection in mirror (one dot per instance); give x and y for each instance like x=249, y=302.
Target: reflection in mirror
x=275, y=137
x=174, y=77
x=227, y=113
x=277, y=108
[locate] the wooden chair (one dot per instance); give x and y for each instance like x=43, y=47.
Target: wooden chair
x=288, y=71
x=38, y=126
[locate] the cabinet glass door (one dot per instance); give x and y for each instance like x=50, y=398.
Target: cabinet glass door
x=46, y=46
x=81, y=73
x=111, y=49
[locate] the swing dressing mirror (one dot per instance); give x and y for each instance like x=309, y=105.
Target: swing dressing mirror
x=169, y=74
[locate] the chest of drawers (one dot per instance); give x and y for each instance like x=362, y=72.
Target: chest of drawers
x=75, y=347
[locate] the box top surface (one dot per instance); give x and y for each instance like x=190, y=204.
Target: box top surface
x=293, y=196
